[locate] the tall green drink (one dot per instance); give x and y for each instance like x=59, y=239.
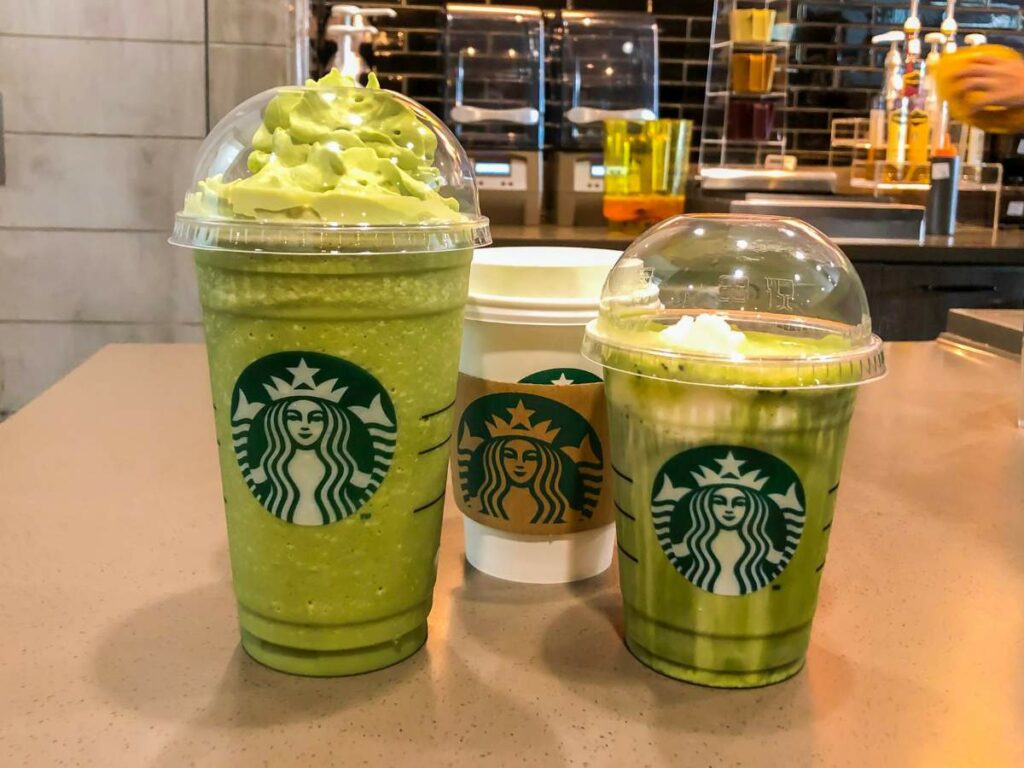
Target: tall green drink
x=732, y=348
x=333, y=229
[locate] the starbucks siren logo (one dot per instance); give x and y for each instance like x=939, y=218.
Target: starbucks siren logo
x=528, y=458
x=730, y=530
x=314, y=435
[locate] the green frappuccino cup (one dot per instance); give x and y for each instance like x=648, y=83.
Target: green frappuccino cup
x=333, y=228
x=733, y=347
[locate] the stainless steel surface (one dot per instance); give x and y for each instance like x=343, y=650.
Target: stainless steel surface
x=120, y=646
x=969, y=246
x=517, y=200
x=3, y=163
x=797, y=198
x=758, y=180
x=575, y=206
x=1001, y=329
x=845, y=220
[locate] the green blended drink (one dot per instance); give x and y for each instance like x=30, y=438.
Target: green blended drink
x=333, y=228
x=732, y=348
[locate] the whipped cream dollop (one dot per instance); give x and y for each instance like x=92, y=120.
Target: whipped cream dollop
x=705, y=333
x=336, y=153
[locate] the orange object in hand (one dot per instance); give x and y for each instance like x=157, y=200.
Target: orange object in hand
x=982, y=87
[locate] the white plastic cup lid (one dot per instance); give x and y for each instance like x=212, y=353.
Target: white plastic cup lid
x=331, y=168
x=743, y=301
x=538, y=285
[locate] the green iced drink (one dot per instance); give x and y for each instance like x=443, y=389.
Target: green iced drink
x=333, y=229
x=728, y=422
x=664, y=432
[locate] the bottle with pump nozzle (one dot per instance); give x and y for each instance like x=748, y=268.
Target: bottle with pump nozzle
x=887, y=99
x=944, y=189
x=909, y=139
x=349, y=29
x=938, y=111
x=911, y=68
x=972, y=139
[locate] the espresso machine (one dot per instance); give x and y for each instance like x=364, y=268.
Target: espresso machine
x=494, y=102
x=608, y=69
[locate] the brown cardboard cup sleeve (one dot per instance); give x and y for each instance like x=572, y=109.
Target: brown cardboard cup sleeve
x=532, y=458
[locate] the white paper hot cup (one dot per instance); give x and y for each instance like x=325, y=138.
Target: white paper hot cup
x=525, y=319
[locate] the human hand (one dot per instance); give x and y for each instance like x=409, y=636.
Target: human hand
x=989, y=82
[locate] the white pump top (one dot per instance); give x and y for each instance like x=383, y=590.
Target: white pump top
x=912, y=27
x=348, y=27
x=934, y=39
x=893, y=64
x=975, y=38
x=353, y=15
x=949, y=27
x=894, y=38
x=913, y=22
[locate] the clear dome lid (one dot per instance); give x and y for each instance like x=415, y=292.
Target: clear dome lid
x=749, y=301
x=331, y=167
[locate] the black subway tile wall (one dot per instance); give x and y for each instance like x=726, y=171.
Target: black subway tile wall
x=833, y=69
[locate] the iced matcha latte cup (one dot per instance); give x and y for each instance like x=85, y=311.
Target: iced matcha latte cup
x=733, y=348
x=333, y=228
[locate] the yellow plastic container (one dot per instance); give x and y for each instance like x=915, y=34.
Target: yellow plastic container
x=751, y=25
x=646, y=163
x=753, y=72
x=989, y=119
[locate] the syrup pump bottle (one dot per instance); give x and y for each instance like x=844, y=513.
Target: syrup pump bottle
x=885, y=100
x=915, y=86
x=938, y=110
x=908, y=141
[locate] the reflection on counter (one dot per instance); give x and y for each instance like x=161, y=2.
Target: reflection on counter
x=999, y=330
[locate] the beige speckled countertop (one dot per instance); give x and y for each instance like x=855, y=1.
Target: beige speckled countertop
x=119, y=646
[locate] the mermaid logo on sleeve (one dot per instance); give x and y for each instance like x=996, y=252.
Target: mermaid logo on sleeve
x=314, y=435
x=528, y=459
x=728, y=518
